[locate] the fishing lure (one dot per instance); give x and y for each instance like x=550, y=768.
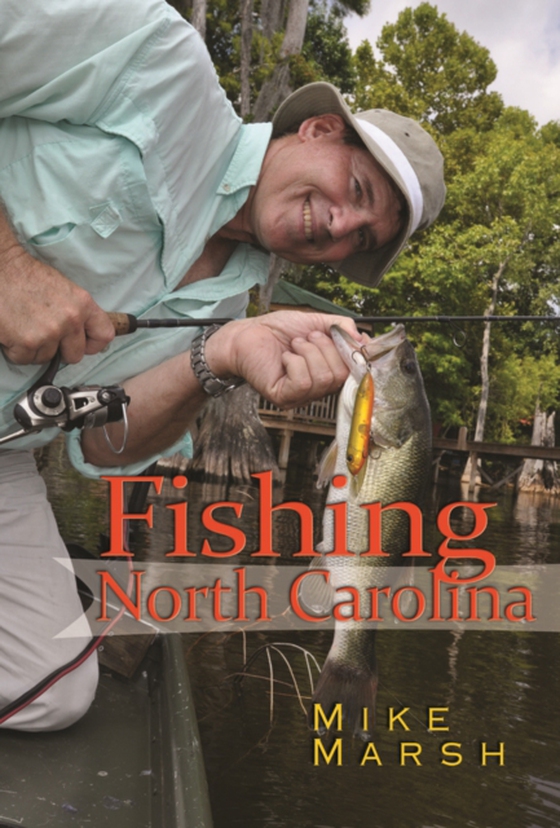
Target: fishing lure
x=358, y=440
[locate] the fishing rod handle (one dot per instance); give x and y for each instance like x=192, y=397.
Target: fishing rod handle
x=123, y=323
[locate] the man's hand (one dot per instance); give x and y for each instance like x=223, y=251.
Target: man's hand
x=287, y=356
x=41, y=310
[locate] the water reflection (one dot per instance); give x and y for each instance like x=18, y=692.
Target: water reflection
x=537, y=520
x=497, y=686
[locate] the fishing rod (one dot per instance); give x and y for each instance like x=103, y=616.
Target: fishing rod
x=126, y=323
x=46, y=405
x=555, y=320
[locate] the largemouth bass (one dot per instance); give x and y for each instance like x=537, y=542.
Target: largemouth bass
x=396, y=469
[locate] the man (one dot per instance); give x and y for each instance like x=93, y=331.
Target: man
x=131, y=185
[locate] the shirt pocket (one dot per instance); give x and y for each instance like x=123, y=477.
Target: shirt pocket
x=105, y=219
x=78, y=198
x=52, y=235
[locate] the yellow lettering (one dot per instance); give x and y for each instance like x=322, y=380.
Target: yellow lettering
x=365, y=719
x=446, y=751
x=370, y=754
x=318, y=712
x=500, y=753
x=412, y=749
x=433, y=719
x=319, y=748
x=393, y=717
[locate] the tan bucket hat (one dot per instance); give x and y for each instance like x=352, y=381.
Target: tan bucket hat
x=405, y=151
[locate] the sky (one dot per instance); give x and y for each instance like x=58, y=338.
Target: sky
x=522, y=36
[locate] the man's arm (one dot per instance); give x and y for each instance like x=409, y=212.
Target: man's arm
x=85, y=48
x=287, y=356
x=41, y=310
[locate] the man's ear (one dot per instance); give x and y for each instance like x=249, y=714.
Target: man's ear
x=321, y=126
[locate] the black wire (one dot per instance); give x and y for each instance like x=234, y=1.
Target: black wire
x=137, y=500
x=37, y=690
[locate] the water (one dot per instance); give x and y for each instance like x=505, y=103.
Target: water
x=497, y=686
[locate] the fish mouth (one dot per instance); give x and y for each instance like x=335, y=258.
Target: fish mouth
x=307, y=222
x=372, y=351
x=381, y=345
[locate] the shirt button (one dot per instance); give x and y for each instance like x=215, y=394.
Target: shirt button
x=227, y=188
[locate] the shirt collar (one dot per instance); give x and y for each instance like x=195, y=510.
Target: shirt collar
x=246, y=163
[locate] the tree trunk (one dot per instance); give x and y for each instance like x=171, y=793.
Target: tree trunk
x=272, y=16
x=245, y=70
x=266, y=290
x=199, y=17
x=540, y=475
x=278, y=86
x=470, y=472
x=232, y=442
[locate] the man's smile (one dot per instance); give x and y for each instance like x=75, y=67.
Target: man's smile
x=307, y=222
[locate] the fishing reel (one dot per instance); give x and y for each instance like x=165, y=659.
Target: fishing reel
x=46, y=405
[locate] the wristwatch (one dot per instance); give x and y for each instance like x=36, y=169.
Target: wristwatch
x=212, y=384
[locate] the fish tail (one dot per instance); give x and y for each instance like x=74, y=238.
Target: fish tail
x=354, y=688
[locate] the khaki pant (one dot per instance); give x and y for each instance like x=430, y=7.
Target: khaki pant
x=38, y=599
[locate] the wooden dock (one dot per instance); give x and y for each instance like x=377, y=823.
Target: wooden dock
x=319, y=418
x=462, y=445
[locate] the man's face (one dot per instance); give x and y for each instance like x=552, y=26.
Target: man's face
x=319, y=199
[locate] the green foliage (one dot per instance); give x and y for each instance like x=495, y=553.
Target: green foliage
x=359, y=7
x=550, y=133
x=326, y=53
x=439, y=74
x=518, y=382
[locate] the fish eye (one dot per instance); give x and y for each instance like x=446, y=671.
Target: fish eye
x=408, y=366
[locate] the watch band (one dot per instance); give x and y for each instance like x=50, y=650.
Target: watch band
x=210, y=383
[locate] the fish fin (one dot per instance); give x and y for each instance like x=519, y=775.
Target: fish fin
x=357, y=480
x=327, y=464
x=316, y=595
x=354, y=688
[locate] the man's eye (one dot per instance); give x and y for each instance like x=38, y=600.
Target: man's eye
x=358, y=188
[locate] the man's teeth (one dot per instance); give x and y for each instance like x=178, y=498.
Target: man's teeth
x=307, y=223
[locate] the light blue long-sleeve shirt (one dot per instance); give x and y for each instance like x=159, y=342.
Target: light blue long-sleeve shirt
x=120, y=156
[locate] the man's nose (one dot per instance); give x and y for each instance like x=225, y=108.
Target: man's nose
x=344, y=221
